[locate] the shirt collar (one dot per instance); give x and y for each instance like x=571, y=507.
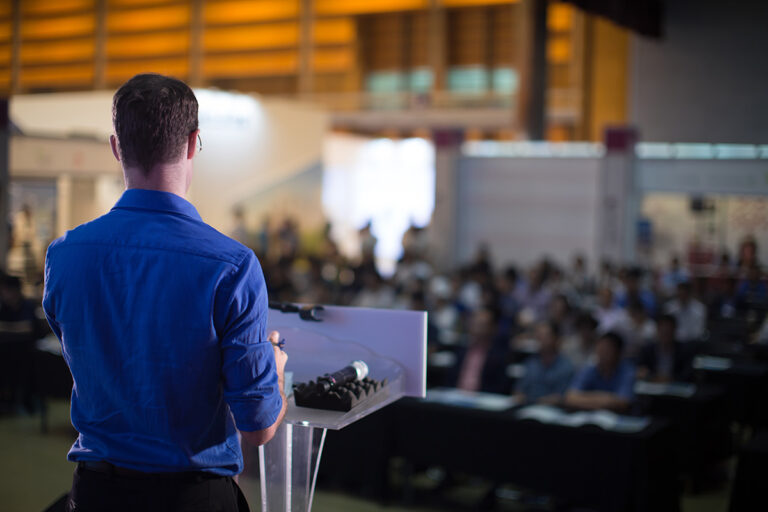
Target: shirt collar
x=157, y=200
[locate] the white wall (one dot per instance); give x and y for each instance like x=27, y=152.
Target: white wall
x=526, y=208
x=259, y=146
x=389, y=183
x=249, y=146
x=706, y=80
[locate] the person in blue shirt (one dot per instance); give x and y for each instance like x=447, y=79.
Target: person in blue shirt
x=547, y=374
x=634, y=291
x=162, y=321
x=607, y=384
x=752, y=291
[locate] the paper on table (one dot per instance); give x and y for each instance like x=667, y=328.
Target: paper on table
x=712, y=363
x=680, y=389
x=474, y=400
x=606, y=420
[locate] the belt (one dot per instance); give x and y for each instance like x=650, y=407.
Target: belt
x=108, y=468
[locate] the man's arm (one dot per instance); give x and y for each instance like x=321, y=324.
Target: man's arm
x=579, y=396
x=260, y=437
x=251, y=368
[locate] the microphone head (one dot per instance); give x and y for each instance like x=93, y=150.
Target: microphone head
x=360, y=368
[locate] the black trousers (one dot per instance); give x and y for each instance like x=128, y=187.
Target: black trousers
x=94, y=491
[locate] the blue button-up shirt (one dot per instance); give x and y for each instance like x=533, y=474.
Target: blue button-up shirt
x=541, y=380
x=162, y=322
x=621, y=383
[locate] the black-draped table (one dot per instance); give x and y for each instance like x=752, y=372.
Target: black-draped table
x=745, y=382
x=748, y=491
x=579, y=465
x=700, y=415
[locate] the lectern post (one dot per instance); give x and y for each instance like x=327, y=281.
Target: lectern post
x=288, y=468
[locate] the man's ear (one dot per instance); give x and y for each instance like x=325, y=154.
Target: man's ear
x=192, y=144
x=113, y=144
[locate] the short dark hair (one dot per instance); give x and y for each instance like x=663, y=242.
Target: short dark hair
x=615, y=339
x=584, y=319
x=553, y=327
x=634, y=304
x=153, y=116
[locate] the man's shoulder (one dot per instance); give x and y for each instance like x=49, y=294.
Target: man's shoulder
x=178, y=234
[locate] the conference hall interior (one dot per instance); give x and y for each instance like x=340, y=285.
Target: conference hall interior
x=565, y=187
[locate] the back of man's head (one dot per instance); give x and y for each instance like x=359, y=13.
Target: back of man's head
x=153, y=116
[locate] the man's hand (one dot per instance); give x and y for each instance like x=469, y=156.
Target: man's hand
x=260, y=437
x=280, y=357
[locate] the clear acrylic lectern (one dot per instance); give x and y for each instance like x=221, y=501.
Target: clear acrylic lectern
x=392, y=344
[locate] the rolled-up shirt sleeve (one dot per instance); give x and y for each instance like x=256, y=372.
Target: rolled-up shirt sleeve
x=249, y=376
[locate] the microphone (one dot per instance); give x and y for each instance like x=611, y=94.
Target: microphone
x=356, y=370
x=338, y=391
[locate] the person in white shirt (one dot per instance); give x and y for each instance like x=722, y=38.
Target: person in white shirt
x=607, y=314
x=580, y=347
x=636, y=328
x=691, y=315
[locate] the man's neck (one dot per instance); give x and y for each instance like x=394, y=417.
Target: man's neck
x=164, y=178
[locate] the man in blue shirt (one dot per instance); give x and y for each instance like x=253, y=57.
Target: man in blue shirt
x=162, y=321
x=547, y=374
x=607, y=384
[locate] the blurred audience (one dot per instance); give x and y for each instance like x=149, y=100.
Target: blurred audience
x=674, y=275
x=634, y=289
x=579, y=348
x=636, y=327
x=486, y=322
x=608, y=383
x=479, y=368
x=606, y=312
x=691, y=315
x=17, y=313
x=239, y=230
x=547, y=374
x=665, y=360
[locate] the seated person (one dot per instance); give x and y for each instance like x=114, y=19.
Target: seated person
x=561, y=313
x=664, y=360
x=606, y=312
x=17, y=314
x=580, y=347
x=636, y=329
x=674, y=276
x=752, y=292
x=547, y=374
x=633, y=289
x=690, y=314
x=607, y=384
x=481, y=367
